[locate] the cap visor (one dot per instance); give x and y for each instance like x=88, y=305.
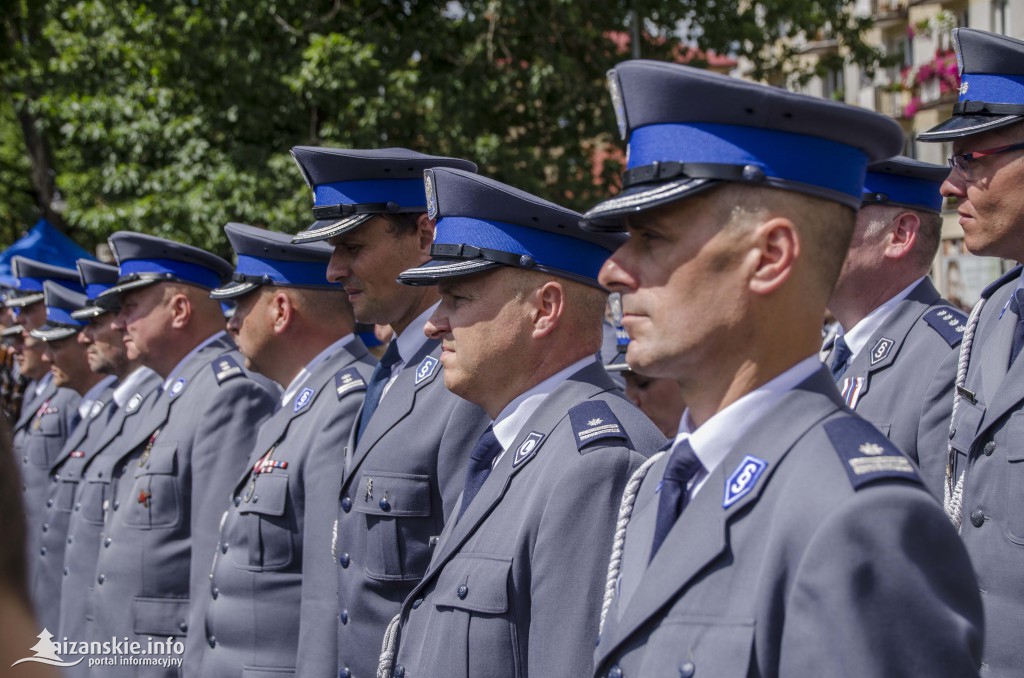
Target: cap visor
x=112, y=297
x=232, y=290
x=12, y=331
x=328, y=228
x=24, y=300
x=87, y=312
x=435, y=270
x=611, y=214
x=53, y=332
x=966, y=125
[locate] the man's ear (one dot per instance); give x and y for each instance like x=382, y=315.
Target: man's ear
x=181, y=310
x=425, y=233
x=281, y=312
x=902, y=235
x=777, y=247
x=548, y=302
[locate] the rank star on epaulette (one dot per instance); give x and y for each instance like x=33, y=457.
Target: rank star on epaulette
x=594, y=420
x=867, y=456
x=225, y=368
x=347, y=381
x=871, y=449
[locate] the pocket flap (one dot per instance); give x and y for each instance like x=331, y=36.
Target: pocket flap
x=965, y=427
x=51, y=425
x=161, y=460
x=700, y=646
x=269, y=496
x=476, y=583
x=160, y=616
x=383, y=493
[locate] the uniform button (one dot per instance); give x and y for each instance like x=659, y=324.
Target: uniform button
x=215, y=592
x=24, y=459
x=343, y=616
x=989, y=448
x=78, y=506
x=385, y=505
x=346, y=506
x=183, y=627
x=977, y=518
x=416, y=603
x=345, y=673
x=223, y=547
x=399, y=671
x=49, y=503
x=46, y=527
x=615, y=671
x=462, y=592
x=686, y=670
x=102, y=578
x=238, y=500
x=106, y=542
x=42, y=551
x=65, y=571
x=70, y=539
x=344, y=560
x=212, y=640
x=117, y=504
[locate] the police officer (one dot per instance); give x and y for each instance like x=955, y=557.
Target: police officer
x=516, y=580
x=83, y=484
x=267, y=606
x=176, y=469
x=70, y=368
x=984, y=475
x=781, y=534
x=405, y=459
x=49, y=411
x=895, y=357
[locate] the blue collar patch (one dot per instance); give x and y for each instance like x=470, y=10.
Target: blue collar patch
x=304, y=398
x=881, y=350
x=133, y=403
x=743, y=480
x=176, y=388
x=528, y=448
x=426, y=369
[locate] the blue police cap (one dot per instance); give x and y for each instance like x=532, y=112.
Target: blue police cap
x=483, y=224
x=96, y=278
x=30, y=276
x=269, y=258
x=351, y=186
x=690, y=129
x=60, y=302
x=991, y=85
x=12, y=331
x=905, y=182
x=145, y=260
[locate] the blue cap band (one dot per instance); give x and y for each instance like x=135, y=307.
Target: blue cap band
x=93, y=290
x=550, y=250
x=404, y=192
x=909, y=191
x=36, y=284
x=285, y=272
x=782, y=155
x=993, y=88
x=59, y=316
x=184, y=271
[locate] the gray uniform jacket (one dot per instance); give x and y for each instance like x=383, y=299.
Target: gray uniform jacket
x=39, y=435
x=269, y=606
x=812, y=550
x=46, y=564
x=515, y=585
x=988, y=439
x=902, y=382
x=399, y=486
x=87, y=478
x=169, y=490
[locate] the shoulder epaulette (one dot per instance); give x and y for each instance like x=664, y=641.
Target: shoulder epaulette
x=348, y=381
x=594, y=420
x=867, y=455
x=225, y=367
x=1010, y=275
x=949, y=322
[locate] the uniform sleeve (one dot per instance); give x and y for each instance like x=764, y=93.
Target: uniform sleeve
x=933, y=429
x=224, y=437
x=318, y=628
x=570, y=562
x=884, y=588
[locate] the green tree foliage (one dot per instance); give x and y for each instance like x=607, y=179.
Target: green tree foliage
x=175, y=116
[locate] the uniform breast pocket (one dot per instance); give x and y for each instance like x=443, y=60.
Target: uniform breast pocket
x=396, y=507
x=265, y=528
x=699, y=647
x=94, y=497
x=472, y=610
x=49, y=441
x=154, y=501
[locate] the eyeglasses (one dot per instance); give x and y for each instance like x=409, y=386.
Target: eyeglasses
x=964, y=162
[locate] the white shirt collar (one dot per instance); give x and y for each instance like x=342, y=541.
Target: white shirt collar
x=130, y=386
x=43, y=382
x=715, y=439
x=203, y=344
x=859, y=335
x=311, y=367
x=92, y=395
x=412, y=339
x=515, y=415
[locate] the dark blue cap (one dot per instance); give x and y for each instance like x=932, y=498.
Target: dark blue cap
x=905, y=182
x=690, y=129
x=351, y=186
x=991, y=85
x=30, y=276
x=96, y=278
x=483, y=224
x=60, y=302
x=145, y=260
x=270, y=258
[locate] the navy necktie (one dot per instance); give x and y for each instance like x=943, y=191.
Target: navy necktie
x=480, y=462
x=378, y=380
x=683, y=466
x=840, y=358
x=1018, y=331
